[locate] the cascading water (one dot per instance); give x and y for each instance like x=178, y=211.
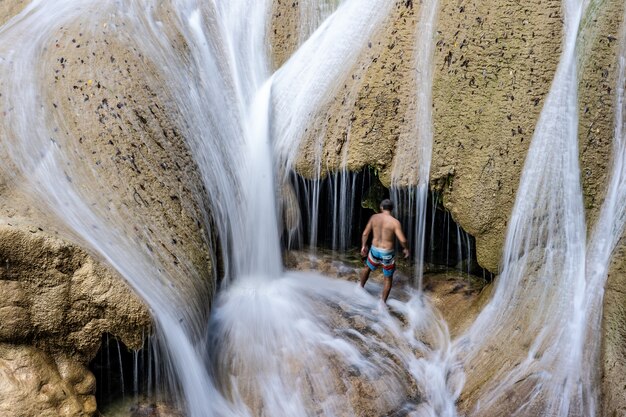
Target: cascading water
x=55, y=175
x=297, y=109
x=312, y=14
x=223, y=111
x=413, y=158
x=286, y=344
x=221, y=104
x=529, y=338
x=417, y=155
x=607, y=231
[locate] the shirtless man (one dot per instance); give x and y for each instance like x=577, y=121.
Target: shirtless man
x=382, y=252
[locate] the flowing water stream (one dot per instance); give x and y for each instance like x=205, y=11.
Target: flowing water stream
x=538, y=345
x=413, y=156
x=297, y=343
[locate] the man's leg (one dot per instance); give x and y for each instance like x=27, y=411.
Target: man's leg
x=365, y=274
x=387, y=288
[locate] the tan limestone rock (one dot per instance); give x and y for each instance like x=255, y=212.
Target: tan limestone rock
x=129, y=162
x=494, y=63
x=33, y=383
x=60, y=300
x=614, y=337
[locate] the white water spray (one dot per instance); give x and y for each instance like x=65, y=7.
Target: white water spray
x=606, y=234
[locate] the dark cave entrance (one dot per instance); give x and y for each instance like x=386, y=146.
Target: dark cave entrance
x=335, y=210
x=126, y=379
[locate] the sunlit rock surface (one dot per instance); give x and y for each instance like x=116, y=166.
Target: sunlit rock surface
x=57, y=298
x=494, y=64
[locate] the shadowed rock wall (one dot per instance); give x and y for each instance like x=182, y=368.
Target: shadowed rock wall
x=56, y=304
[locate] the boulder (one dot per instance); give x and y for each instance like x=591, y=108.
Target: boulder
x=34, y=383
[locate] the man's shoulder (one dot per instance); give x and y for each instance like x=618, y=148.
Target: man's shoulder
x=393, y=221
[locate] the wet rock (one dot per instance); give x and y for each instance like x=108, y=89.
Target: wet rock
x=154, y=410
x=56, y=303
x=494, y=63
x=359, y=323
x=60, y=299
x=55, y=291
x=33, y=383
x=614, y=337
x=10, y=8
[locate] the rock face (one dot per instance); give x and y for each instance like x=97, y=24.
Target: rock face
x=33, y=383
x=56, y=304
x=10, y=8
x=60, y=300
x=131, y=165
x=493, y=66
x=614, y=341
x=373, y=109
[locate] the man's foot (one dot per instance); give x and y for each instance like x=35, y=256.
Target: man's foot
x=381, y=307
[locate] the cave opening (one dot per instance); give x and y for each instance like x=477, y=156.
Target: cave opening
x=128, y=382
x=335, y=209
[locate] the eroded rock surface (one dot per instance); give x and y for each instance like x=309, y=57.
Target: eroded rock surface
x=59, y=299
x=127, y=161
x=34, y=383
x=56, y=304
x=494, y=63
x=614, y=340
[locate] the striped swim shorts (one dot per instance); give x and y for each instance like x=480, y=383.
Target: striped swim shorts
x=382, y=257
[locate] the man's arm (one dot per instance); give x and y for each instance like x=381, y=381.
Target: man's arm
x=402, y=239
x=366, y=235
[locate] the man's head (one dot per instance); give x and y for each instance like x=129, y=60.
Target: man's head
x=386, y=204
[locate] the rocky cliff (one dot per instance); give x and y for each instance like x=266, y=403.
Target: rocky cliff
x=127, y=160
x=494, y=63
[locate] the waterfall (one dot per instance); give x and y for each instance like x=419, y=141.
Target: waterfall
x=285, y=343
x=56, y=176
x=334, y=48
x=220, y=90
x=413, y=159
x=312, y=14
x=529, y=337
x=605, y=236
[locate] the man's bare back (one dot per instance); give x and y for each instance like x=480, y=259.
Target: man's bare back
x=385, y=228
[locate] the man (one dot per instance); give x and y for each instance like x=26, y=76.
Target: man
x=382, y=252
